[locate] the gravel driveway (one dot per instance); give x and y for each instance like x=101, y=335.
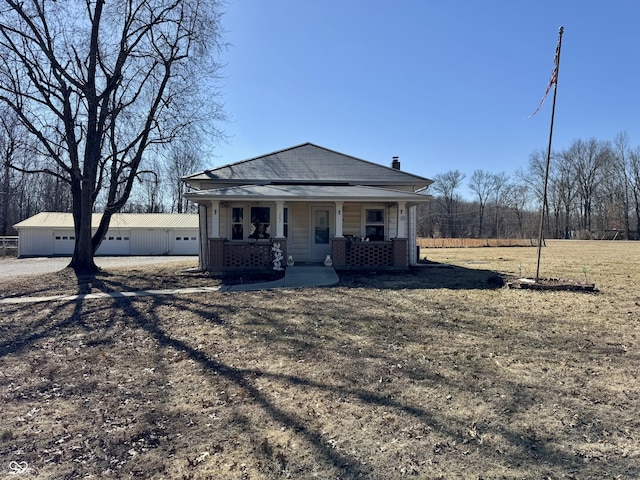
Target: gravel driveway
x=13, y=267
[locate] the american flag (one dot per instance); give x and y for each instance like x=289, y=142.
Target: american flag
x=552, y=81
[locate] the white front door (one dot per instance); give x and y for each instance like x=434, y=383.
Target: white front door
x=321, y=232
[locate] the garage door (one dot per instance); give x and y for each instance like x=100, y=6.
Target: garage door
x=63, y=242
x=115, y=243
x=184, y=243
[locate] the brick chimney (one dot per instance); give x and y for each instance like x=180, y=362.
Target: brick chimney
x=395, y=163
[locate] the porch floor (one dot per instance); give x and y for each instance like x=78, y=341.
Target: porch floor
x=298, y=276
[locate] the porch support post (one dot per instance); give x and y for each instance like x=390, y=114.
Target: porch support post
x=203, y=254
x=215, y=219
x=402, y=220
x=279, y=220
x=338, y=228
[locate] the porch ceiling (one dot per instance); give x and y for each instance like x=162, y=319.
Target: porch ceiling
x=308, y=193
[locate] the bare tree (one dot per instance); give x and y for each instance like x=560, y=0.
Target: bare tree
x=482, y=184
x=184, y=159
x=534, y=178
x=588, y=159
x=634, y=180
x=9, y=144
x=622, y=173
x=500, y=186
x=446, y=185
x=565, y=184
x=98, y=83
x=516, y=197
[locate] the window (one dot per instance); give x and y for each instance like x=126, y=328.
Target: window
x=260, y=223
x=285, y=221
x=374, y=224
x=237, y=219
x=250, y=223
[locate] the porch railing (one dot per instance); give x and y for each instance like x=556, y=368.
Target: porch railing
x=357, y=255
x=346, y=255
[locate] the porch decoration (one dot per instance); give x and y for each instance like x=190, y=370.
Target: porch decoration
x=327, y=261
x=290, y=261
x=277, y=257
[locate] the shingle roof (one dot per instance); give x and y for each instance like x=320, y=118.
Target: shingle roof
x=308, y=193
x=118, y=220
x=308, y=163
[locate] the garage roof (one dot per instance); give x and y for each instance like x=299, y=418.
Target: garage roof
x=118, y=220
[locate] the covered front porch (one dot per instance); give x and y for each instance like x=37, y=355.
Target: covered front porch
x=262, y=228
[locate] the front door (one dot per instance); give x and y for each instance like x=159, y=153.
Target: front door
x=321, y=233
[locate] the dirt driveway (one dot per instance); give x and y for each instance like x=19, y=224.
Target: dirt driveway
x=13, y=267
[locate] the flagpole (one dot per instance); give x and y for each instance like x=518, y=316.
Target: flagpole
x=546, y=174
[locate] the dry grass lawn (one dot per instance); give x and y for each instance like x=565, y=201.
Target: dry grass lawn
x=439, y=373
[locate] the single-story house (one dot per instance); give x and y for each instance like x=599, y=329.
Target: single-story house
x=52, y=233
x=307, y=204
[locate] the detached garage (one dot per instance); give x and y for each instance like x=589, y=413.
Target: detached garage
x=52, y=233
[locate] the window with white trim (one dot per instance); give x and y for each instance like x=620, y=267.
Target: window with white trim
x=285, y=221
x=374, y=224
x=237, y=223
x=260, y=223
x=251, y=223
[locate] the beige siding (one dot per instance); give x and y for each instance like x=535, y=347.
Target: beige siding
x=225, y=220
x=352, y=219
x=299, y=228
x=391, y=222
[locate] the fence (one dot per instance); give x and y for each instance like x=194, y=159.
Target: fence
x=8, y=246
x=475, y=242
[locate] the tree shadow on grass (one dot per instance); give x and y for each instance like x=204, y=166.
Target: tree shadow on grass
x=426, y=276
x=524, y=450
x=148, y=316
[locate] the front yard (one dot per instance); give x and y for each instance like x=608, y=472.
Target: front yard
x=440, y=373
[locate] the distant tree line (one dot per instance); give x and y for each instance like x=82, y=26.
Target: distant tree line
x=593, y=192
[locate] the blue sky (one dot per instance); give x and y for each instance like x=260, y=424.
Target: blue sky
x=444, y=85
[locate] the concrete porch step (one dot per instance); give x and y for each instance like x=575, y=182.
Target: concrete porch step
x=298, y=276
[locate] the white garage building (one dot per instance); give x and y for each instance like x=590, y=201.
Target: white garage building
x=52, y=233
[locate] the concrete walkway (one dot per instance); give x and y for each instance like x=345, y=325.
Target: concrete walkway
x=294, y=277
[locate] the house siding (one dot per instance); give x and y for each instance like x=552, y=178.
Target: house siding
x=351, y=219
x=225, y=216
x=298, y=243
x=392, y=222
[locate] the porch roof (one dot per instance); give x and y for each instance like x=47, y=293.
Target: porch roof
x=308, y=193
